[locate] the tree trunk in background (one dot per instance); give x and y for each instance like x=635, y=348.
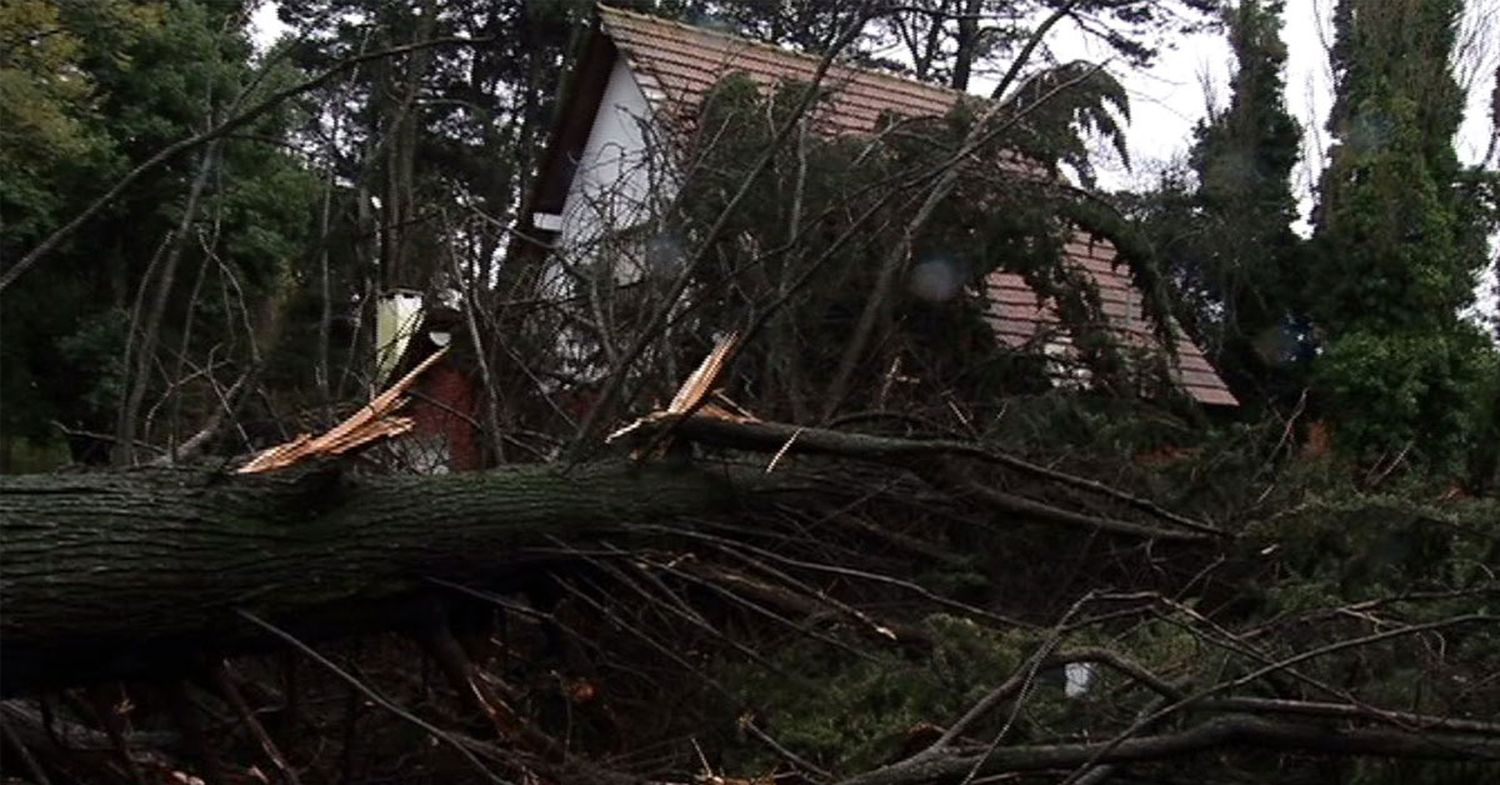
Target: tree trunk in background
x=969, y=33
x=403, y=129
x=145, y=351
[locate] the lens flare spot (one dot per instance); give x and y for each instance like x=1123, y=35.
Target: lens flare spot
x=936, y=280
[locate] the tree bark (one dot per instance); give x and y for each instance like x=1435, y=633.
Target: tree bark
x=123, y=566
x=139, y=570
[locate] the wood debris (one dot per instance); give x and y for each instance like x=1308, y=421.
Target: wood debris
x=701, y=381
x=372, y=422
x=690, y=397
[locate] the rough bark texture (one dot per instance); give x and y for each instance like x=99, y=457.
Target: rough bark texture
x=123, y=560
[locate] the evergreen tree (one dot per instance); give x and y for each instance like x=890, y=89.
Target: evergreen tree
x=1220, y=224
x=1243, y=158
x=110, y=84
x=1398, y=244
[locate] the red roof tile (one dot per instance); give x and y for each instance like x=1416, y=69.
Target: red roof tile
x=676, y=64
x=681, y=63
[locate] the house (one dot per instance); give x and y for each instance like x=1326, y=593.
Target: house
x=638, y=73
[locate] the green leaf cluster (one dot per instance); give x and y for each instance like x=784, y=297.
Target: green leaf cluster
x=107, y=85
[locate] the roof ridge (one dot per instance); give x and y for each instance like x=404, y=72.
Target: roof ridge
x=645, y=18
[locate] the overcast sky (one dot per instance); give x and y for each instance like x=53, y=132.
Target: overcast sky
x=1171, y=96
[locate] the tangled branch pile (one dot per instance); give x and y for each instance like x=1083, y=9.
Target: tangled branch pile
x=788, y=604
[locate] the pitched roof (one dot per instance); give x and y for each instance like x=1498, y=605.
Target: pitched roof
x=676, y=65
x=1019, y=317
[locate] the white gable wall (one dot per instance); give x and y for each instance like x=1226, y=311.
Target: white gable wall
x=613, y=184
x=618, y=181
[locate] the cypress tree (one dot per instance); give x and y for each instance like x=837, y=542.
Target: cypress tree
x=1243, y=158
x=1397, y=246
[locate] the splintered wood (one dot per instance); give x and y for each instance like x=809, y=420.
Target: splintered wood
x=701, y=381
x=690, y=396
x=372, y=422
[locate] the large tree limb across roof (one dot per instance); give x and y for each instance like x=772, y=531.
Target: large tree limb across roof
x=676, y=67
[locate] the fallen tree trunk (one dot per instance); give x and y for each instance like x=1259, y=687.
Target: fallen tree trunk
x=113, y=565
x=119, y=573
x=150, y=572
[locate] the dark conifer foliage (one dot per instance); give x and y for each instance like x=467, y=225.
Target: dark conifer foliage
x=1401, y=237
